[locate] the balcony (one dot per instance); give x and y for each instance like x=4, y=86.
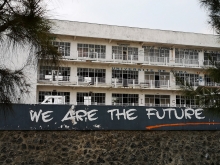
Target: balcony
x=187, y=62
x=89, y=103
x=155, y=84
x=122, y=82
x=187, y=105
x=91, y=81
x=156, y=105
x=53, y=78
x=125, y=104
x=93, y=56
x=209, y=63
x=127, y=59
x=156, y=60
x=214, y=84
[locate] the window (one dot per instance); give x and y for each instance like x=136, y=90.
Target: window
x=157, y=100
x=124, y=53
x=90, y=98
x=128, y=75
x=186, y=56
x=210, y=82
x=192, y=79
x=157, y=75
x=54, y=73
x=151, y=52
x=210, y=57
x=124, y=99
x=42, y=95
x=182, y=101
x=62, y=47
x=157, y=79
x=90, y=73
x=91, y=50
x=215, y=56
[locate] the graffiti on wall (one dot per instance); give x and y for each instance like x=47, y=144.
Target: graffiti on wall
x=93, y=117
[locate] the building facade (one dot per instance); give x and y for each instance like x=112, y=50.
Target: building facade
x=114, y=65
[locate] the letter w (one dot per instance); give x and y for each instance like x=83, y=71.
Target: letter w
x=34, y=115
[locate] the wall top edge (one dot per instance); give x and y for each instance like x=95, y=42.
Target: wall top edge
x=134, y=34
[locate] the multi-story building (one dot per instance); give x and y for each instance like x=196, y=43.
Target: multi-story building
x=116, y=65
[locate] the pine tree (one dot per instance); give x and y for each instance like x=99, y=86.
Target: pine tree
x=23, y=23
x=207, y=97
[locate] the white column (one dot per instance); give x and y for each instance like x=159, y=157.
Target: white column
x=108, y=98
x=172, y=57
x=201, y=58
x=141, y=55
x=108, y=77
x=73, y=50
x=108, y=55
x=141, y=76
x=73, y=74
x=172, y=81
x=73, y=95
x=173, y=100
x=141, y=100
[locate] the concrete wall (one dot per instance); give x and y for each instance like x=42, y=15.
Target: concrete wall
x=112, y=32
x=110, y=147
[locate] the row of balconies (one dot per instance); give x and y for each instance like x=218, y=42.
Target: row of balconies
x=116, y=82
x=137, y=104
x=101, y=81
x=146, y=60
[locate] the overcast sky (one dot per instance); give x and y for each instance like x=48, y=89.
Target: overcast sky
x=175, y=15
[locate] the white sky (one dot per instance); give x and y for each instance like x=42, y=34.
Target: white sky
x=175, y=15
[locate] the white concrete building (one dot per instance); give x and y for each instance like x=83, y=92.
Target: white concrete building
x=115, y=65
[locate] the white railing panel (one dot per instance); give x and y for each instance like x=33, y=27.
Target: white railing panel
x=156, y=60
x=93, y=80
x=43, y=77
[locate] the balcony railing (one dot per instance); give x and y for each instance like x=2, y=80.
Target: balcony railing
x=156, y=60
x=156, y=105
x=91, y=56
x=124, y=82
x=124, y=58
x=187, y=105
x=212, y=84
x=155, y=84
x=125, y=104
x=89, y=103
x=191, y=83
x=210, y=63
x=91, y=80
x=187, y=62
x=43, y=77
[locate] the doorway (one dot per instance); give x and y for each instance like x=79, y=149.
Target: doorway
x=157, y=82
x=124, y=54
x=157, y=102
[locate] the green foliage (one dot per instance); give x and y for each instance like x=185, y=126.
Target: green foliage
x=213, y=8
x=23, y=23
x=208, y=97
